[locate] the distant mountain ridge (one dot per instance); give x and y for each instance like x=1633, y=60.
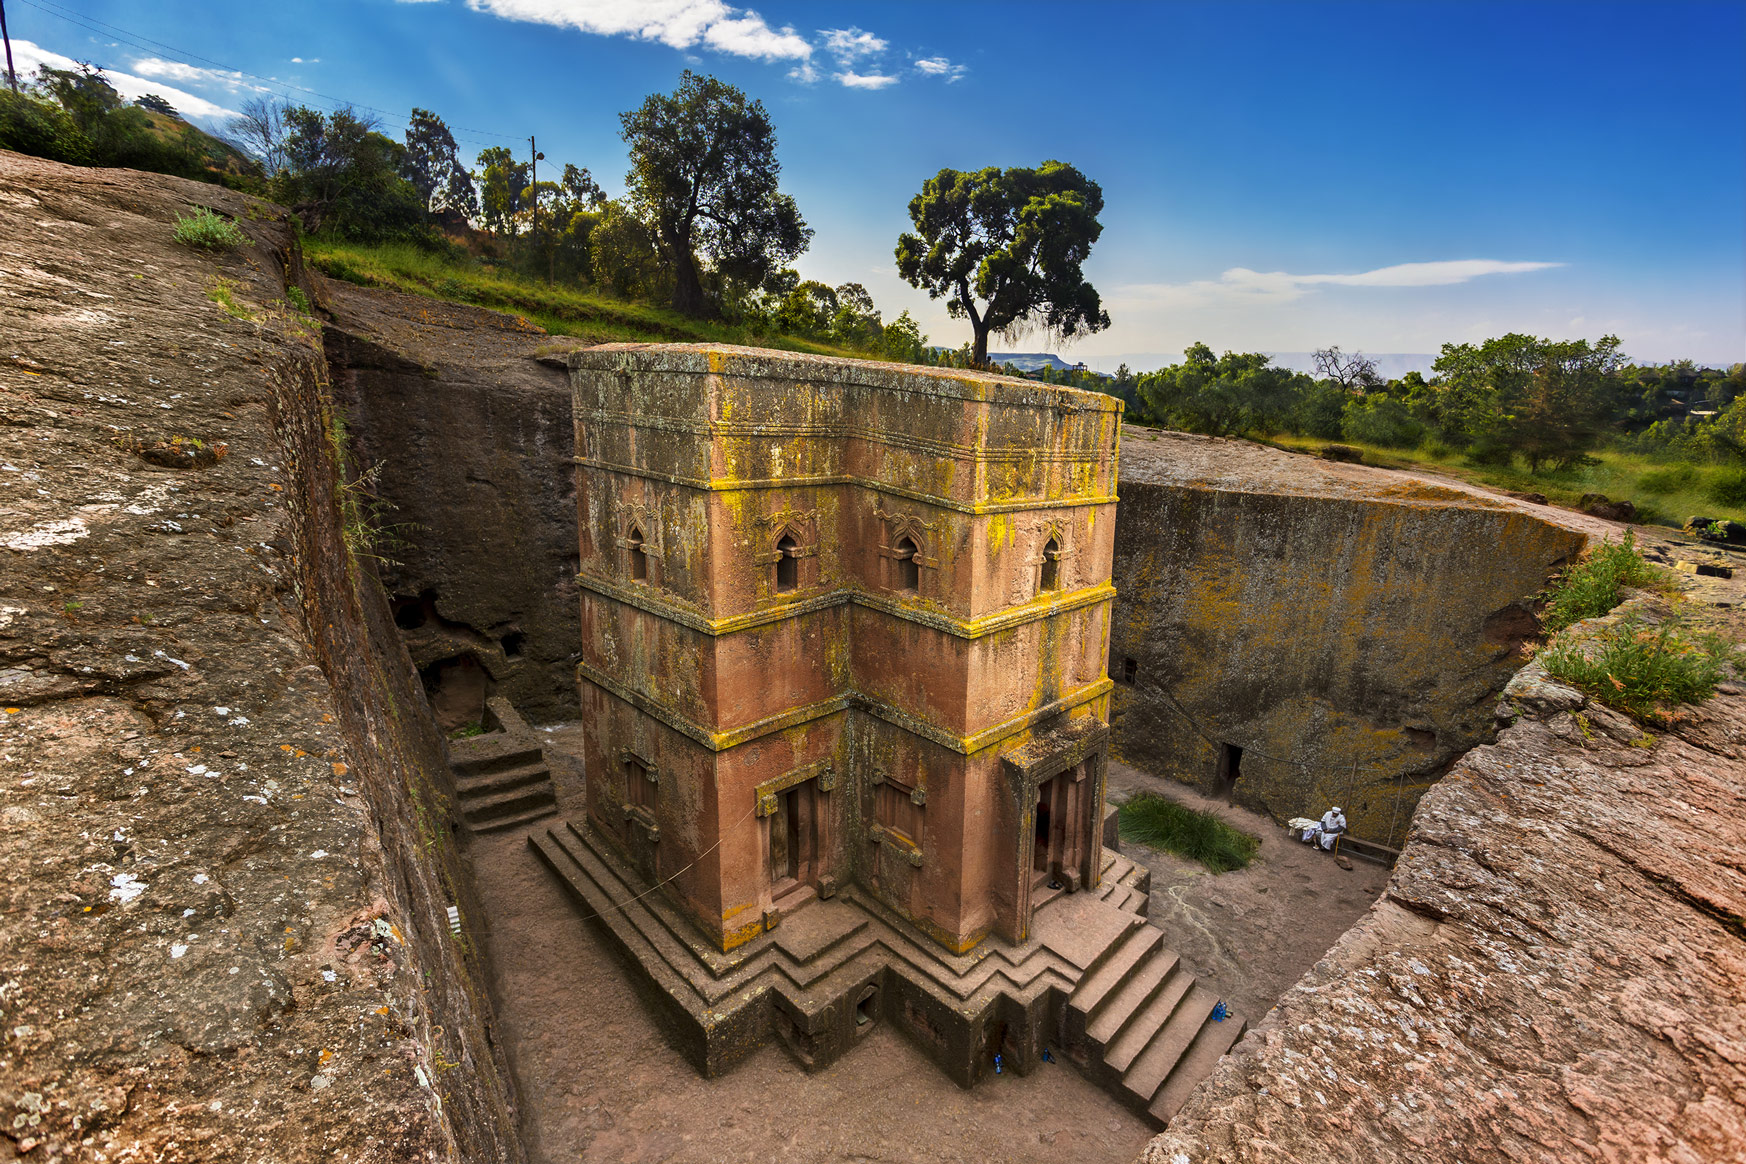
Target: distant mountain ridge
x=1031, y=361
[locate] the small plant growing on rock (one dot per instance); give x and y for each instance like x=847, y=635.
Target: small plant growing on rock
x=206, y=231
x=1595, y=584
x=1643, y=670
x=222, y=292
x=296, y=298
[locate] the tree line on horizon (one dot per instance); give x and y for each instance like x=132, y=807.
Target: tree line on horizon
x=1516, y=399
x=704, y=227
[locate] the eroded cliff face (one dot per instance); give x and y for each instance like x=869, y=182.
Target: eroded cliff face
x=1301, y=634
x=226, y=862
x=469, y=440
x=1556, y=971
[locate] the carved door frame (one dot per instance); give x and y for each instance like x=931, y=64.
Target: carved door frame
x=1082, y=747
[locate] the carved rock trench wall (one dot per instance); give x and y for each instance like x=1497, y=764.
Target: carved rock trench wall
x=1556, y=971
x=225, y=864
x=468, y=439
x=1344, y=627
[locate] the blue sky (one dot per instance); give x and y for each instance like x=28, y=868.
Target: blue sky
x=1277, y=177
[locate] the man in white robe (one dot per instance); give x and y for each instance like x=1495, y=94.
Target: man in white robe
x=1333, y=824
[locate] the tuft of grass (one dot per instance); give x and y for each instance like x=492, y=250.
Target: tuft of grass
x=223, y=293
x=1163, y=824
x=294, y=295
x=203, y=230
x=1644, y=671
x=1595, y=584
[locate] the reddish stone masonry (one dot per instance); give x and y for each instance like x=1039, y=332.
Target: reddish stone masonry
x=825, y=604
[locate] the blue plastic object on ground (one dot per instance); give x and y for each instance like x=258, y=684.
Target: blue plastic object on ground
x=998, y=1064
x=1219, y=1013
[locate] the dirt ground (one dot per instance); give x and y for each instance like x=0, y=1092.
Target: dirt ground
x=599, y=1082
x=1253, y=932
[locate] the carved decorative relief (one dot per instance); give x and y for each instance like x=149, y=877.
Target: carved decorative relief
x=921, y=533
x=644, y=518
x=799, y=524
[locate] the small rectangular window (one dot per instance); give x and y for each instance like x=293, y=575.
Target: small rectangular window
x=894, y=809
x=638, y=786
x=1130, y=671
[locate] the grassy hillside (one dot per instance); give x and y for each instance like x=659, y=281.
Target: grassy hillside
x=557, y=309
x=221, y=156
x=1664, y=493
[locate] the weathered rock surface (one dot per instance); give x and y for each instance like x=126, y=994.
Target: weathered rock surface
x=470, y=438
x=222, y=867
x=1557, y=970
x=1303, y=633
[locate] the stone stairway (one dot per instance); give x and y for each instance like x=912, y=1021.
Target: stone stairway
x=1094, y=975
x=1142, y=1026
x=502, y=780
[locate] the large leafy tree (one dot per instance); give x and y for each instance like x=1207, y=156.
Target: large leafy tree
x=433, y=166
x=704, y=176
x=1004, y=248
x=343, y=177
x=502, y=184
x=1543, y=400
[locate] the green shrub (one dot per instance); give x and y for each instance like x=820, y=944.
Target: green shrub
x=1381, y=420
x=1436, y=449
x=39, y=127
x=1645, y=671
x=294, y=295
x=1671, y=479
x=1728, y=488
x=1199, y=836
x=206, y=231
x=1593, y=586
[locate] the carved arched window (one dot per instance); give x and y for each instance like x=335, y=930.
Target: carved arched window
x=1051, y=573
x=788, y=564
x=908, y=569
x=639, y=554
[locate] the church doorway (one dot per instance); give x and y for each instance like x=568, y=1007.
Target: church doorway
x=794, y=839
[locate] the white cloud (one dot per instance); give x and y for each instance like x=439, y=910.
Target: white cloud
x=679, y=24
x=302, y=61
x=851, y=44
x=193, y=75
x=27, y=57
x=1241, y=285
x=804, y=72
x=939, y=67
x=853, y=80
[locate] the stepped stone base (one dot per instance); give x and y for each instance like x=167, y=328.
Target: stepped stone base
x=1091, y=982
x=502, y=780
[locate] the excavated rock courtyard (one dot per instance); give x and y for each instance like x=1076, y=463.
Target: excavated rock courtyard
x=242, y=920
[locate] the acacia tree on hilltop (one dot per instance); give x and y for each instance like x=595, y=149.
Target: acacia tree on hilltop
x=704, y=177
x=1004, y=249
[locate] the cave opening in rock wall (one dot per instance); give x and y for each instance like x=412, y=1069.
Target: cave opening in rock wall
x=457, y=688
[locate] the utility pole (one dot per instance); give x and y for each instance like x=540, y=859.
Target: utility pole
x=11, y=73
x=534, y=185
